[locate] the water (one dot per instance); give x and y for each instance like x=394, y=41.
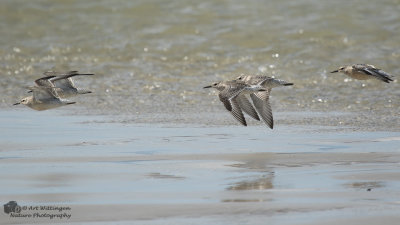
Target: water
x=194, y=173
x=154, y=56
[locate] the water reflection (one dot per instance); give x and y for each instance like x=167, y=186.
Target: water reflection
x=244, y=200
x=367, y=185
x=52, y=180
x=164, y=176
x=263, y=183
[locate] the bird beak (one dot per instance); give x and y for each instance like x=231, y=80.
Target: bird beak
x=207, y=86
x=17, y=103
x=335, y=71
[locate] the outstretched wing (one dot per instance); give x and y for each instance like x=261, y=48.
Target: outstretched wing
x=226, y=102
x=65, y=81
x=263, y=107
x=227, y=94
x=56, y=73
x=41, y=93
x=365, y=69
x=45, y=81
x=233, y=91
x=373, y=71
x=237, y=112
x=246, y=106
x=260, y=79
x=232, y=106
x=70, y=74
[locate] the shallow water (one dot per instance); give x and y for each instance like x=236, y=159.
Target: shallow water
x=155, y=56
x=194, y=173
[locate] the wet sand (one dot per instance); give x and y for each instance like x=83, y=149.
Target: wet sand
x=133, y=173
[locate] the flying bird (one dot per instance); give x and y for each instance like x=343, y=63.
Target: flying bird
x=261, y=99
x=44, y=98
x=63, y=81
x=365, y=72
x=231, y=94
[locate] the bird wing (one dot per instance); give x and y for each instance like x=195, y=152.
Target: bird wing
x=226, y=101
x=44, y=81
x=55, y=73
x=41, y=93
x=229, y=93
x=237, y=112
x=246, y=106
x=260, y=80
x=228, y=96
x=60, y=79
x=63, y=79
x=64, y=82
x=263, y=107
x=233, y=91
x=71, y=74
x=373, y=71
x=364, y=68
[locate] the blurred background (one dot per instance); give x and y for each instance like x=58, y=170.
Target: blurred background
x=152, y=57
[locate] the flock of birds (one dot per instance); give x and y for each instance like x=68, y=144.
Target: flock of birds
x=233, y=94
x=52, y=90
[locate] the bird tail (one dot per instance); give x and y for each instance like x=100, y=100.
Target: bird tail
x=84, y=91
x=385, y=77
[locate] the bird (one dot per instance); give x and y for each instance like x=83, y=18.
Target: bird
x=63, y=81
x=365, y=72
x=44, y=98
x=231, y=94
x=261, y=99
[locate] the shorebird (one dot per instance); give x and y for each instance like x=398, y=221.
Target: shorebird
x=261, y=99
x=364, y=72
x=43, y=98
x=231, y=93
x=63, y=82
